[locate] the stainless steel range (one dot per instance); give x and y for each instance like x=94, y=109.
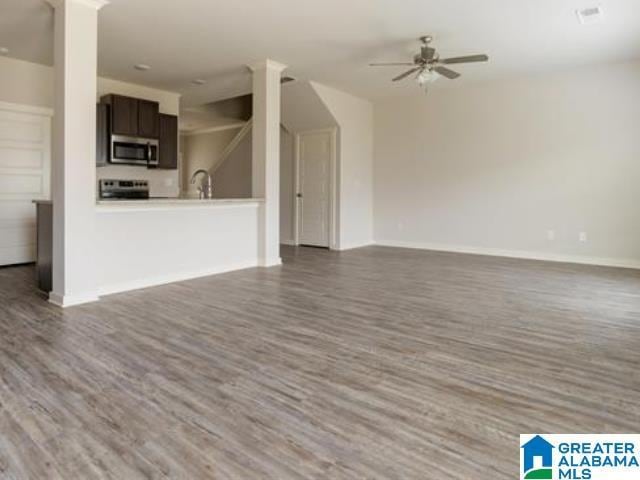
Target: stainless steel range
x=124, y=189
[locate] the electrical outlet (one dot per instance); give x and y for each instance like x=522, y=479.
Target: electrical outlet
x=400, y=226
x=168, y=182
x=551, y=235
x=583, y=237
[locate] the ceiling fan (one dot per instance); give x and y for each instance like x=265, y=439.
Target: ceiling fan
x=428, y=66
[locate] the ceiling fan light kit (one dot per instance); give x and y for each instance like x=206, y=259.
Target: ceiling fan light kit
x=426, y=78
x=428, y=66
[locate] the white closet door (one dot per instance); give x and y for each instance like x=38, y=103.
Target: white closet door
x=25, y=169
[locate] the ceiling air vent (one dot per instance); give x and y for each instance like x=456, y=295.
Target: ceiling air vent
x=590, y=15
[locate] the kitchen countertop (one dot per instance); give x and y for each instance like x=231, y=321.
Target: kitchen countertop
x=162, y=202
x=180, y=202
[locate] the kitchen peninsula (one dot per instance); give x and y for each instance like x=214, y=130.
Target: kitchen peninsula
x=146, y=233
x=180, y=237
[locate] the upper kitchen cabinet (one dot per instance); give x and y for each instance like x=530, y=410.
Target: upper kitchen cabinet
x=168, y=157
x=102, y=134
x=148, y=119
x=133, y=117
x=124, y=115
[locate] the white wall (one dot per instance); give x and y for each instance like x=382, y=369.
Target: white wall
x=355, y=159
x=303, y=109
x=492, y=167
x=28, y=83
x=232, y=178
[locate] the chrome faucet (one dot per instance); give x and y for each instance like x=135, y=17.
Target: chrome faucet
x=204, y=190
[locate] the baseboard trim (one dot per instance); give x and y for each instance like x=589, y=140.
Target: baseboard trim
x=288, y=241
x=352, y=246
x=270, y=262
x=65, y=301
x=528, y=255
x=174, y=277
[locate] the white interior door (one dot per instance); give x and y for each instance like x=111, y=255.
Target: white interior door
x=25, y=164
x=315, y=154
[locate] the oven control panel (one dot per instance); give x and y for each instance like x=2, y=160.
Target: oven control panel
x=110, y=189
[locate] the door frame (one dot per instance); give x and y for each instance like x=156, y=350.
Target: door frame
x=333, y=171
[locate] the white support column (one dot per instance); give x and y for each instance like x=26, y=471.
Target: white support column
x=74, y=149
x=266, y=157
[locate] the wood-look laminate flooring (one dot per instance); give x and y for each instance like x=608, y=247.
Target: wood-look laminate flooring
x=376, y=363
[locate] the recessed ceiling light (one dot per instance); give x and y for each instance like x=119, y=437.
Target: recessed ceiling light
x=142, y=67
x=590, y=15
x=198, y=81
x=4, y=50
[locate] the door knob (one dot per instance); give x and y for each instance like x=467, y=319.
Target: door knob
x=299, y=195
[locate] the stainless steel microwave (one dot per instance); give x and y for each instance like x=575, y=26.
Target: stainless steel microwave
x=134, y=151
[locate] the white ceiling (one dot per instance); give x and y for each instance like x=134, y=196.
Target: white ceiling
x=329, y=41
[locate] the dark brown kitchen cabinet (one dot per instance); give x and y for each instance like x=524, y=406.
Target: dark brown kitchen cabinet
x=124, y=115
x=148, y=119
x=133, y=117
x=102, y=134
x=168, y=142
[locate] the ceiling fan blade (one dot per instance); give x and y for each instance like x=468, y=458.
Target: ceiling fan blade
x=467, y=59
x=445, y=72
x=406, y=74
x=393, y=64
x=427, y=53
